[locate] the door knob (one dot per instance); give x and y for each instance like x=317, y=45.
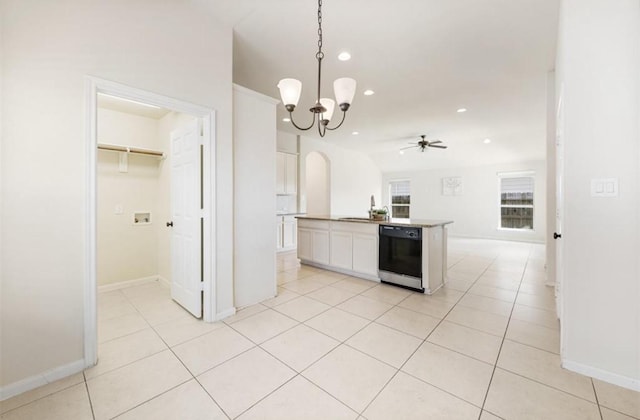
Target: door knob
x=556, y=235
x=169, y=224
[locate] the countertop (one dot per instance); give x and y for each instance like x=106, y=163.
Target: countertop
x=393, y=222
x=289, y=214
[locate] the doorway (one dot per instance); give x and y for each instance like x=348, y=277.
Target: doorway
x=199, y=247
x=318, y=183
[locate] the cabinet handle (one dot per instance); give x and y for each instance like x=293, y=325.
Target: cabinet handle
x=169, y=224
x=557, y=235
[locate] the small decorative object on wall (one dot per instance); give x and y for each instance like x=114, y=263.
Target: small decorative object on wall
x=452, y=185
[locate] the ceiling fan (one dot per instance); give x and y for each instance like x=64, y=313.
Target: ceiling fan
x=423, y=144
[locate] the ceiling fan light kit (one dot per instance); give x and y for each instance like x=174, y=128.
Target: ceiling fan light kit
x=424, y=144
x=344, y=90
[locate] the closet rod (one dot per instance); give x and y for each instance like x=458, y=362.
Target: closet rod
x=127, y=149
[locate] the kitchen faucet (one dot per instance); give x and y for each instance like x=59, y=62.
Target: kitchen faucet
x=373, y=203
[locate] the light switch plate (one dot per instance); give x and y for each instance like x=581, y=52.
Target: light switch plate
x=604, y=187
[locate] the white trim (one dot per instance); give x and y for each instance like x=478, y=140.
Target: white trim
x=516, y=174
x=90, y=283
x=341, y=270
x=603, y=375
x=165, y=281
x=93, y=85
x=41, y=379
x=127, y=283
x=225, y=314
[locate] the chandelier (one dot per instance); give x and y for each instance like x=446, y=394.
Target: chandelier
x=344, y=90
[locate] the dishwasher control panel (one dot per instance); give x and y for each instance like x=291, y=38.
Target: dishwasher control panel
x=407, y=232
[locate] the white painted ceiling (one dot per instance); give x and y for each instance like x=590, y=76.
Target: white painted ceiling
x=423, y=58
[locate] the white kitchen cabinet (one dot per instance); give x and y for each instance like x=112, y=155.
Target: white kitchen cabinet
x=341, y=249
x=350, y=248
x=281, y=173
x=286, y=233
x=279, y=233
x=320, y=246
x=289, y=232
x=305, y=246
x=286, y=173
x=365, y=253
x=313, y=241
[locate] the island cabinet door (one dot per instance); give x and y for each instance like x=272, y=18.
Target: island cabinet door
x=320, y=246
x=305, y=250
x=341, y=250
x=289, y=233
x=365, y=254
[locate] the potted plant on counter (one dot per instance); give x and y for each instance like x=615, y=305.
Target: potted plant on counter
x=379, y=214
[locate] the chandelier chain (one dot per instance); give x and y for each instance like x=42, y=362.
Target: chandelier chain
x=320, y=54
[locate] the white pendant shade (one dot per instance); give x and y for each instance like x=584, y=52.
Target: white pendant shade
x=345, y=89
x=330, y=104
x=290, y=90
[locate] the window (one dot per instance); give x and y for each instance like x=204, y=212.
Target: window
x=400, y=198
x=516, y=201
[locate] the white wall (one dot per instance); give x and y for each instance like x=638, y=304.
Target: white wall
x=254, y=245
x=476, y=212
x=127, y=251
x=172, y=48
x=286, y=142
x=598, y=71
x=354, y=177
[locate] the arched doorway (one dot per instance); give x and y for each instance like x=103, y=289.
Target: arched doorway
x=318, y=184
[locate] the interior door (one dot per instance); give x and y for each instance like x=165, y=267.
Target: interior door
x=186, y=243
x=559, y=203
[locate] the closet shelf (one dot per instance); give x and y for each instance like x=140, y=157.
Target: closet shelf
x=129, y=149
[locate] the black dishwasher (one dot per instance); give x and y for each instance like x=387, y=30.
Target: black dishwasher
x=400, y=256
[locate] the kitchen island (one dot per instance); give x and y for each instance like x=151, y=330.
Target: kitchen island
x=415, y=249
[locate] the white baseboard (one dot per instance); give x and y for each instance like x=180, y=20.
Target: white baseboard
x=603, y=375
x=165, y=281
x=127, y=283
x=41, y=379
x=225, y=314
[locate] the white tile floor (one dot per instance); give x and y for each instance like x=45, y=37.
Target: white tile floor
x=336, y=347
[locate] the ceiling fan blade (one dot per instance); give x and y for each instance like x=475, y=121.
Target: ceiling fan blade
x=435, y=141
x=438, y=147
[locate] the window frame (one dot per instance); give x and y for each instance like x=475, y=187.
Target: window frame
x=390, y=197
x=516, y=174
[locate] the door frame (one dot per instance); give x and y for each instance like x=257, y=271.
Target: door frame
x=93, y=86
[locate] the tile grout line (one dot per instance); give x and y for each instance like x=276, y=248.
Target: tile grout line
x=86, y=387
x=495, y=366
x=420, y=345
x=597, y=400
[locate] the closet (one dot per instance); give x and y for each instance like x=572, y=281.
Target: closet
x=134, y=192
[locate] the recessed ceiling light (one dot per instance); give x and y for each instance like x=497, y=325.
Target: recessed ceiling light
x=128, y=100
x=402, y=152
x=461, y=110
x=487, y=141
x=355, y=133
x=368, y=92
x=285, y=119
x=344, y=56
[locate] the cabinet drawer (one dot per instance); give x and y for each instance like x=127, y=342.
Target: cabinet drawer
x=355, y=227
x=313, y=224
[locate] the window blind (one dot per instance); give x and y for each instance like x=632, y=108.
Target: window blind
x=400, y=188
x=517, y=185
